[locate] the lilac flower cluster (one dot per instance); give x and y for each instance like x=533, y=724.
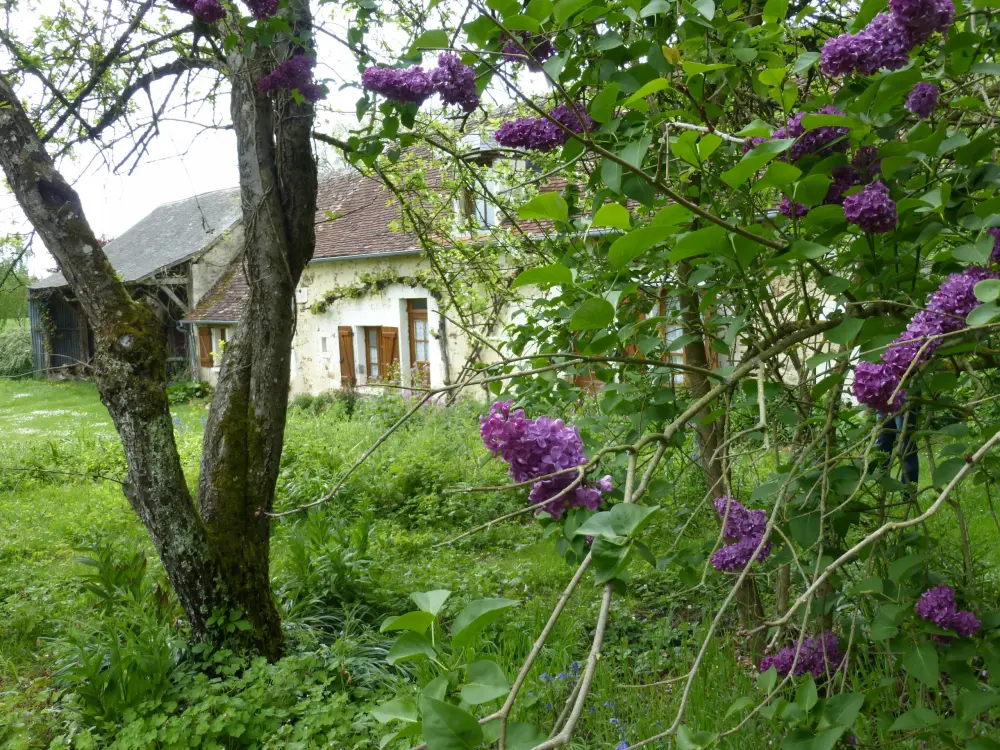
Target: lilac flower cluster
x=262, y=9
x=747, y=527
x=922, y=100
x=540, y=47
x=541, y=133
x=291, y=74
x=937, y=605
x=536, y=448
x=823, y=140
x=816, y=656
x=872, y=209
x=208, y=11
x=455, y=82
x=888, y=39
x=994, y=232
x=945, y=312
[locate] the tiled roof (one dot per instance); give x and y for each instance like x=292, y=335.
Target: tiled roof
x=354, y=218
x=169, y=235
x=223, y=303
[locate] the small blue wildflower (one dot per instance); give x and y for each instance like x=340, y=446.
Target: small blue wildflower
x=545, y=677
x=592, y=709
x=574, y=667
x=615, y=721
x=609, y=704
x=177, y=421
x=622, y=745
x=531, y=693
x=548, y=706
x=204, y=421
x=561, y=676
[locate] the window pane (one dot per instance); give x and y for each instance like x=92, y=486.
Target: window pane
x=418, y=304
x=420, y=330
x=421, y=351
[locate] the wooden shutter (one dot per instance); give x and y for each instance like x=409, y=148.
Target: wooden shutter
x=205, y=347
x=389, y=354
x=346, y=335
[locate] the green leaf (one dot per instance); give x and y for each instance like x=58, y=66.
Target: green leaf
x=987, y=290
x=539, y=9
x=775, y=10
x=448, y=727
x=781, y=173
x=487, y=682
x=917, y=717
x=654, y=7
x=947, y=470
x=921, y=662
x=971, y=704
x=756, y=129
x=768, y=679
x=694, y=68
x=708, y=241
x=738, y=705
x=805, y=61
x=609, y=559
x=592, y=314
x=657, y=84
x=611, y=174
x=705, y=7
x=544, y=276
x=753, y=160
x=418, y=622
x=842, y=709
x=844, y=333
x=811, y=190
x=689, y=739
x=598, y=525
x=869, y=9
x=567, y=8
x=436, y=688
x=433, y=39
x=806, y=739
x=602, y=106
x=807, y=696
x=983, y=314
x=612, y=215
x=805, y=529
x=545, y=206
x=475, y=618
x=628, y=519
x=627, y=248
x=522, y=736
x=395, y=710
x=671, y=215
x=410, y=646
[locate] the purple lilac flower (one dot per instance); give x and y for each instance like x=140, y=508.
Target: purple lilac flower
x=937, y=606
x=540, y=133
x=874, y=384
x=209, y=11
x=792, y=210
x=826, y=139
x=867, y=162
x=884, y=43
x=922, y=99
x=262, y=9
x=293, y=73
x=923, y=17
x=873, y=209
x=538, y=447
x=745, y=526
x=407, y=86
x=751, y=143
x=540, y=47
x=455, y=82
x=844, y=178
x=816, y=656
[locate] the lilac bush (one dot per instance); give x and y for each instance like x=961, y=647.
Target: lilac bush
x=540, y=47
x=262, y=9
x=410, y=86
x=747, y=527
x=937, y=606
x=817, y=656
x=922, y=100
x=455, y=82
x=540, y=133
x=536, y=448
x=295, y=73
x=209, y=11
x=872, y=209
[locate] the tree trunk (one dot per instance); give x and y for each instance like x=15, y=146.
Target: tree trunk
x=712, y=460
x=216, y=550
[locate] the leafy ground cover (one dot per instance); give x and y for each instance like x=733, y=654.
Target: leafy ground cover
x=92, y=652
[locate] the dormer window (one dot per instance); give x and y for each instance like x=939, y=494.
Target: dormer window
x=478, y=209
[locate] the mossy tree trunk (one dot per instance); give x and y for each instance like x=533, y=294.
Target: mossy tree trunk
x=214, y=547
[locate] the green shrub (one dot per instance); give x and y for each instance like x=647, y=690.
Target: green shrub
x=303, y=402
x=15, y=351
x=183, y=391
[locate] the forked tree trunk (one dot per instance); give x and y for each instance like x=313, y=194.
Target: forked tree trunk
x=214, y=549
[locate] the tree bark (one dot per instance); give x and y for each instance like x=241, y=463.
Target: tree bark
x=215, y=549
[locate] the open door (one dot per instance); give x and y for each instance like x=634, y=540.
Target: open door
x=205, y=358
x=346, y=336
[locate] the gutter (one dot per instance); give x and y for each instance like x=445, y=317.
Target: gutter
x=365, y=256
x=210, y=322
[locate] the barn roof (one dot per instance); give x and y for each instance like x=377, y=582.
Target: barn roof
x=171, y=234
